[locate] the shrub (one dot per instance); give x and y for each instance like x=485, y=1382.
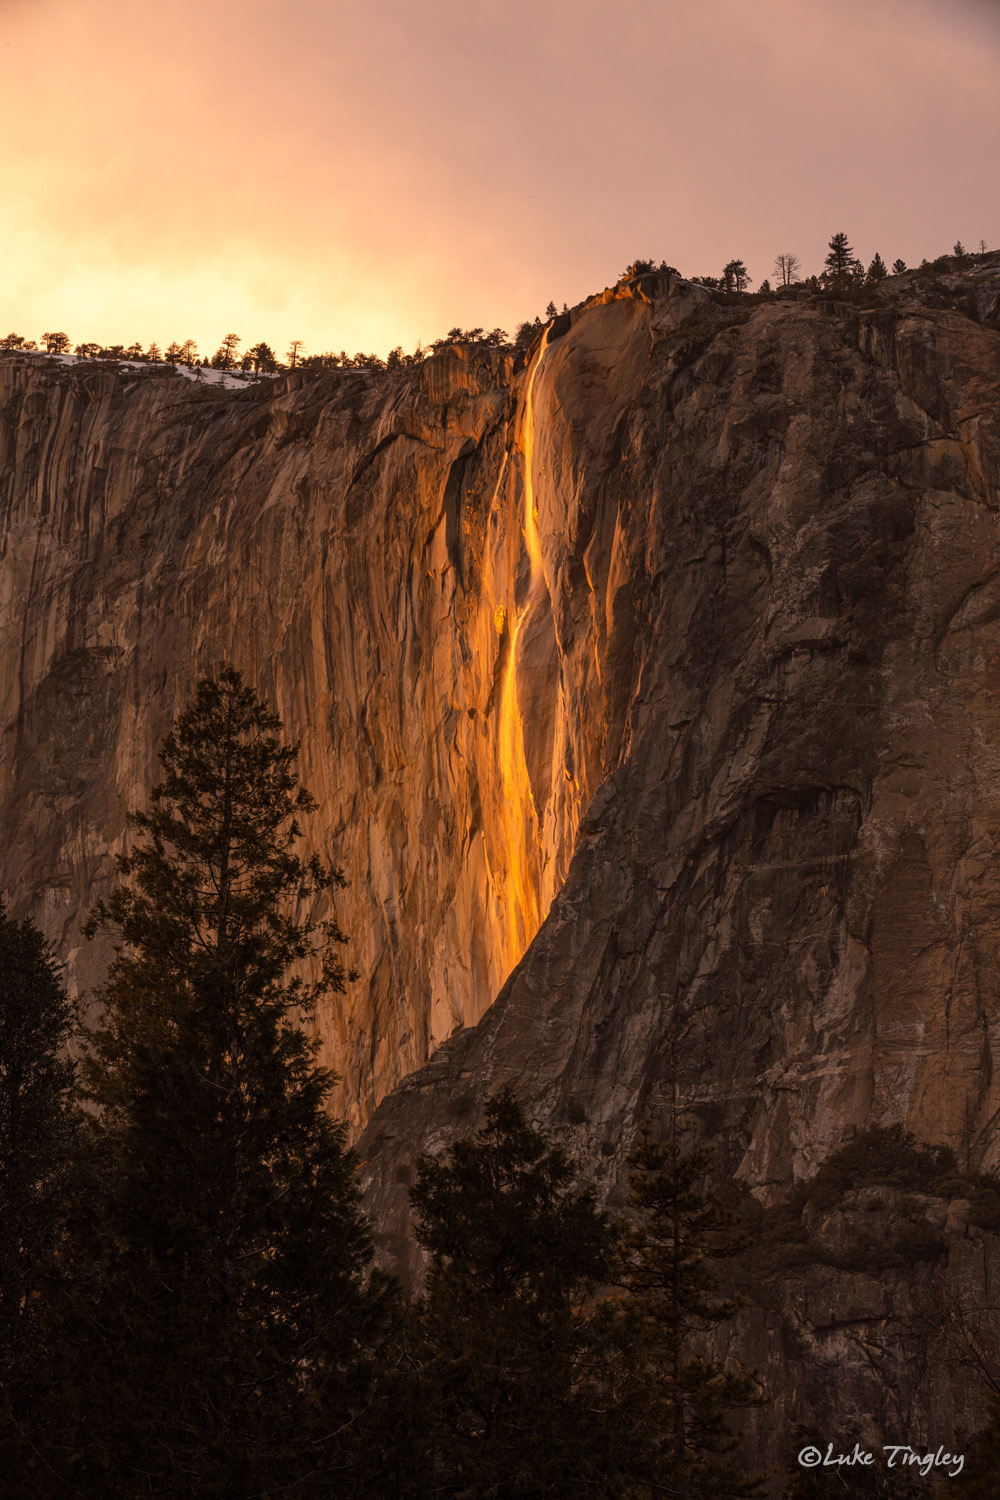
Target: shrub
x=884, y=1155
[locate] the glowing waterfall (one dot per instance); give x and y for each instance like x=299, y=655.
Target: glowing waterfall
x=523, y=841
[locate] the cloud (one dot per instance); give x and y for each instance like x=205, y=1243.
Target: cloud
x=374, y=172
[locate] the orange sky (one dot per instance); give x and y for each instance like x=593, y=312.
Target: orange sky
x=362, y=173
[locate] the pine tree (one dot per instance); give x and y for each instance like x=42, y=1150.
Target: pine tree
x=512, y=1364
x=735, y=276
x=36, y=1080
x=220, y=1309
x=665, y=1269
x=877, y=271
x=898, y=267
x=840, y=256
x=263, y=357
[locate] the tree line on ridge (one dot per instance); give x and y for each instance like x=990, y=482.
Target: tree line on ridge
x=843, y=272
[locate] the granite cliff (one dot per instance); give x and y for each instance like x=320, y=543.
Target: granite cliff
x=649, y=692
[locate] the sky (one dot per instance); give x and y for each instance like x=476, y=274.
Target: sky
x=359, y=174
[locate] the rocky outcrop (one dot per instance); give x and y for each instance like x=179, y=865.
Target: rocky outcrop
x=888, y=1329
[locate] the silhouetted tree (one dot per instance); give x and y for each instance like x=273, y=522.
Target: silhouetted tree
x=665, y=1267
x=507, y=1349
x=189, y=352
x=36, y=1080
x=56, y=343
x=735, y=276
x=787, y=267
x=898, y=267
x=839, y=257
x=326, y=361
x=153, y=353
x=765, y=286
x=219, y=1345
x=526, y=334
x=959, y=250
x=87, y=351
x=263, y=357
x=12, y=341
x=294, y=350
x=224, y=357
x=550, y=311
x=877, y=271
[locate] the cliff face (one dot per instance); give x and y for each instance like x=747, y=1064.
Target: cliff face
x=784, y=894
x=655, y=685
x=365, y=550
x=723, y=581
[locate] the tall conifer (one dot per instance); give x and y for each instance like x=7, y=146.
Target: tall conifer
x=36, y=1078
x=513, y=1370
x=220, y=1309
x=665, y=1266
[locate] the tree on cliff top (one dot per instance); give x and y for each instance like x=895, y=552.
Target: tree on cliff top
x=735, y=276
x=224, y=357
x=787, y=267
x=877, y=271
x=261, y=357
x=840, y=256
x=221, y=1308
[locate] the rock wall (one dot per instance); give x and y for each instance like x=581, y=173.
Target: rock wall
x=784, y=896
x=365, y=549
x=654, y=685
